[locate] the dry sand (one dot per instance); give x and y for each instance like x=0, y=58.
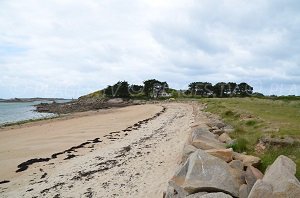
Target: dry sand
x=138, y=153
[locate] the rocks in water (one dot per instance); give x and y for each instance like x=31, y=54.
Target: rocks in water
x=248, y=160
x=209, y=195
x=224, y=137
x=187, y=150
x=223, y=154
x=279, y=181
x=204, y=173
x=251, y=176
x=203, y=139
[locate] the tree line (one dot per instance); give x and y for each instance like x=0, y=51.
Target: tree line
x=154, y=88
x=221, y=89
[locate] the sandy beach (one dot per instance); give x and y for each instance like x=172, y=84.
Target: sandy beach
x=125, y=152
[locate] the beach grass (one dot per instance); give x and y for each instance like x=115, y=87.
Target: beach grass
x=253, y=118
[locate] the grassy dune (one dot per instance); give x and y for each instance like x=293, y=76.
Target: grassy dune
x=253, y=118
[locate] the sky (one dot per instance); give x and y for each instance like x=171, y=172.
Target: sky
x=68, y=48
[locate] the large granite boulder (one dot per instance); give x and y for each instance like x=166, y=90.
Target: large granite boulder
x=279, y=181
x=203, y=139
x=204, y=173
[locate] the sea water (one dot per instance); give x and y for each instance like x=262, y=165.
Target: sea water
x=19, y=111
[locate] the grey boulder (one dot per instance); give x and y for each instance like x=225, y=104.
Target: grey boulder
x=202, y=138
x=204, y=173
x=279, y=181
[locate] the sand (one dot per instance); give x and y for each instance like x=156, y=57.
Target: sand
x=139, y=152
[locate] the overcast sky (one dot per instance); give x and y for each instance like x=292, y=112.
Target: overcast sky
x=67, y=48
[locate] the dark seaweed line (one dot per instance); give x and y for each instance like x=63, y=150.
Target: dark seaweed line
x=24, y=166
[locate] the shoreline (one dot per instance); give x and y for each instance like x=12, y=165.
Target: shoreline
x=134, y=147
x=57, y=117
x=36, y=141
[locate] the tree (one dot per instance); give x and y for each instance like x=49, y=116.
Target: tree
x=200, y=88
x=136, y=89
x=118, y=90
x=244, y=89
x=219, y=89
x=153, y=87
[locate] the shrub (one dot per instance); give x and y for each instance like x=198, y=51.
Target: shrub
x=251, y=122
x=240, y=145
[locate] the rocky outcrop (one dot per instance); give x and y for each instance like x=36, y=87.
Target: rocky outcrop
x=81, y=105
x=279, y=181
x=277, y=141
x=204, y=173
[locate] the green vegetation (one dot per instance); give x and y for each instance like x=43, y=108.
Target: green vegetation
x=221, y=89
x=240, y=145
x=96, y=94
x=253, y=118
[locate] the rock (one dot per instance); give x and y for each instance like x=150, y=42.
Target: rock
x=277, y=141
x=196, y=195
x=251, y=176
x=171, y=193
x=279, y=181
x=223, y=154
x=209, y=195
x=243, y=192
x=248, y=160
x=204, y=173
x=260, y=147
x=218, y=131
x=203, y=139
x=228, y=129
x=219, y=125
x=224, y=138
x=115, y=100
x=238, y=175
x=213, y=128
x=237, y=164
x=261, y=189
x=187, y=150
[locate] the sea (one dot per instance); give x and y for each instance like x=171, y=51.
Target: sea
x=11, y=112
